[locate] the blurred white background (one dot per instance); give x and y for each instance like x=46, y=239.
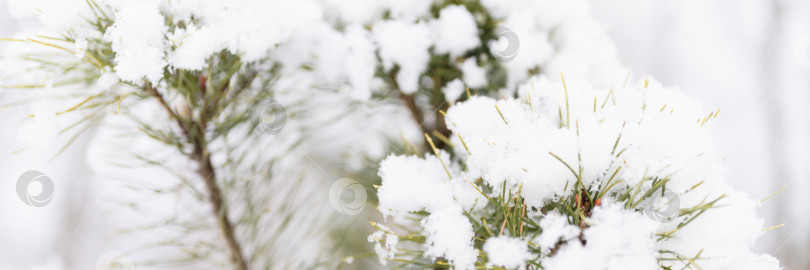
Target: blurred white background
x=751, y=58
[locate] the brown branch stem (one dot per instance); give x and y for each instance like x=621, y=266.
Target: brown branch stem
x=409, y=102
x=220, y=210
x=206, y=170
x=416, y=113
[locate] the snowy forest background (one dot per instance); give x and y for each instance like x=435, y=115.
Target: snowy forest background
x=751, y=58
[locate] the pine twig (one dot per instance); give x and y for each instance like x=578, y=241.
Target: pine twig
x=208, y=173
x=220, y=209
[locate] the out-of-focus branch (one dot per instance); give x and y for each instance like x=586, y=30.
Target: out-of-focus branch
x=409, y=102
x=206, y=171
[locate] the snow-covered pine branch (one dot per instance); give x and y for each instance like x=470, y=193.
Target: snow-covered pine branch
x=185, y=84
x=570, y=176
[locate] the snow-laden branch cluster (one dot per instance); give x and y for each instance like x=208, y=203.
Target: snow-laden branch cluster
x=425, y=51
x=558, y=173
x=566, y=172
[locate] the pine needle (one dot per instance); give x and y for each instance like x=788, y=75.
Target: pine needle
x=609, y=96
x=463, y=143
x=504, y=223
x=486, y=226
x=692, y=261
x=436, y=151
x=695, y=186
x=121, y=99
x=409, y=147
x=442, y=138
x=51, y=45
x=567, y=108
x=626, y=78
x=501, y=114
x=522, y=215
x=88, y=99
x=566, y=165
x=773, y=227
x=774, y=194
